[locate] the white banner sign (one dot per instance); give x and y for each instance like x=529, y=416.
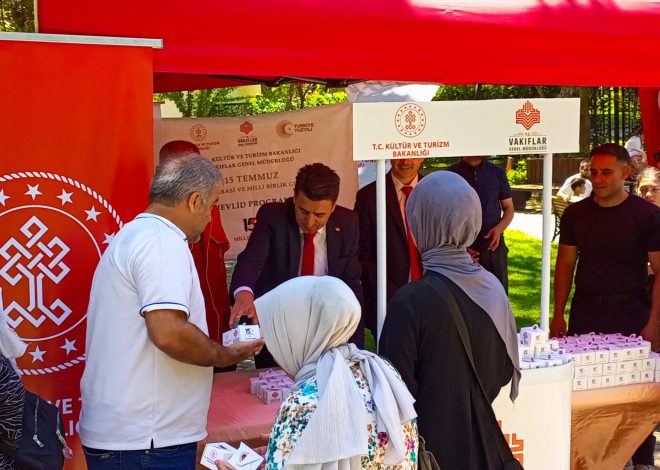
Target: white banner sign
x=538, y=426
x=465, y=128
x=259, y=157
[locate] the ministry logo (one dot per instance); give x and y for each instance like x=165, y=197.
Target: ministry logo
x=410, y=120
x=54, y=229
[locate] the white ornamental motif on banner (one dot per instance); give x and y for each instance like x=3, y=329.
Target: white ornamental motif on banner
x=54, y=230
x=34, y=260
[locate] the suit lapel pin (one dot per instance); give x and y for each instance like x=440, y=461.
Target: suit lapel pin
x=337, y=229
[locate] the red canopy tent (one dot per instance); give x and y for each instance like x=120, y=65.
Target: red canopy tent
x=219, y=43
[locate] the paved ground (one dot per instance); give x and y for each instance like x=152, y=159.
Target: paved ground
x=529, y=222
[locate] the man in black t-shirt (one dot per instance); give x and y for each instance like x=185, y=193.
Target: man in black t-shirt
x=610, y=236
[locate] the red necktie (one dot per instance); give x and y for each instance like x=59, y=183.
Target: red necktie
x=413, y=253
x=307, y=267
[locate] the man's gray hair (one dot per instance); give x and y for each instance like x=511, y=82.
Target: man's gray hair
x=180, y=176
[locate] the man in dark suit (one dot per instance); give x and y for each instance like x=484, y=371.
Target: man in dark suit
x=308, y=234
x=401, y=179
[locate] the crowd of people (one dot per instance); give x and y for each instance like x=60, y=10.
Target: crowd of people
x=307, y=276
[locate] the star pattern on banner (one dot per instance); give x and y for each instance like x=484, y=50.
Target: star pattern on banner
x=65, y=197
x=69, y=346
x=92, y=214
x=33, y=191
x=38, y=355
x=108, y=238
x=3, y=198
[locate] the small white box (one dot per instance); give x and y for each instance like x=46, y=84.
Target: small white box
x=581, y=372
x=541, y=350
x=648, y=364
x=576, y=359
x=635, y=365
x=554, y=344
x=595, y=370
x=240, y=333
x=609, y=368
x=646, y=376
x=608, y=381
x=622, y=379
x=579, y=384
x=216, y=451
x=602, y=356
x=633, y=377
x=244, y=459
x=594, y=382
x=642, y=351
x=533, y=335
x=588, y=358
x=657, y=375
x=616, y=355
x=525, y=352
x=629, y=353
x=625, y=367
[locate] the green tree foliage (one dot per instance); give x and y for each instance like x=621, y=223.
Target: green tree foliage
x=224, y=102
x=17, y=16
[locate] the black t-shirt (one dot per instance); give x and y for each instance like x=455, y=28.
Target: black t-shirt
x=612, y=244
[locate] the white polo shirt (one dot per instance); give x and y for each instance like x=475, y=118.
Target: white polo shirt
x=132, y=392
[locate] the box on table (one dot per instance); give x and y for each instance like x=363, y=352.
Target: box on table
x=609, y=368
x=594, y=382
x=579, y=384
x=533, y=335
x=240, y=334
x=595, y=370
x=608, y=381
x=646, y=376
x=602, y=356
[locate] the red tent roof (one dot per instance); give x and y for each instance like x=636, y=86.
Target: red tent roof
x=550, y=42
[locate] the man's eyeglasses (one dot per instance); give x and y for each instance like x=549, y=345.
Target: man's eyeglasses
x=644, y=190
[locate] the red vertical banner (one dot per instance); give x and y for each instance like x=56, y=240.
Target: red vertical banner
x=76, y=149
x=649, y=103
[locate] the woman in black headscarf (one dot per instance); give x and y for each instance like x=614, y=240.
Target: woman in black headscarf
x=421, y=338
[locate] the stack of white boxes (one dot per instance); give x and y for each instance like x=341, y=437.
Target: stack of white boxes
x=601, y=361
x=535, y=350
x=272, y=386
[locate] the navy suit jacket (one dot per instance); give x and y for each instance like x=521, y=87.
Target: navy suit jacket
x=398, y=259
x=272, y=255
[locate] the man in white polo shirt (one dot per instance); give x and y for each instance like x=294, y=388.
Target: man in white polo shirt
x=147, y=381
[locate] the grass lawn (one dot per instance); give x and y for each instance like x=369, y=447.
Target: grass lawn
x=525, y=277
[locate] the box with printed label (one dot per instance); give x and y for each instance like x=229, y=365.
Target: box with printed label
x=608, y=381
x=646, y=376
x=240, y=334
x=579, y=384
x=633, y=377
x=595, y=370
x=622, y=379
x=216, y=451
x=609, y=368
x=594, y=382
x=602, y=356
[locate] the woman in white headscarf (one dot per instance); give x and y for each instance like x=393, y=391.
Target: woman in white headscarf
x=349, y=408
x=421, y=338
